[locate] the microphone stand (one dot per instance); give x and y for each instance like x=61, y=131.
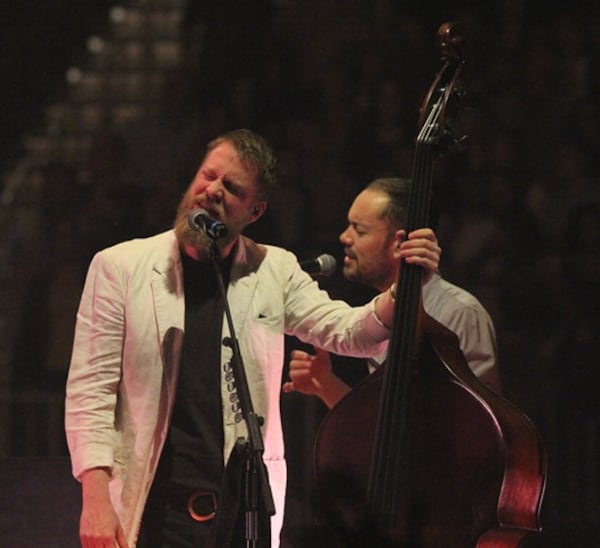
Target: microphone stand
x=255, y=477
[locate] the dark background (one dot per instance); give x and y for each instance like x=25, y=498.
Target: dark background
x=336, y=87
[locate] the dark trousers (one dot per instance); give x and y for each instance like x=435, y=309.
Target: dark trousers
x=167, y=524
x=166, y=527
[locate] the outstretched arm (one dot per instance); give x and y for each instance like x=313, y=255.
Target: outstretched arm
x=420, y=248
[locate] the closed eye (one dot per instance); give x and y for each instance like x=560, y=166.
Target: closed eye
x=357, y=229
x=210, y=175
x=234, y=188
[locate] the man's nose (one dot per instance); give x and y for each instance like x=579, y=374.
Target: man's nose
x=344, y=237
x=214, y=191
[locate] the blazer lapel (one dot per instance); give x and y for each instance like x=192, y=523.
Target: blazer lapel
x=242, y=286
x=167, y=291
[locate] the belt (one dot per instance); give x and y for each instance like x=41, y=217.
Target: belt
x=201, y=505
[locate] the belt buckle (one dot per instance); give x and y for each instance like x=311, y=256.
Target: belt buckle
x=190, y=506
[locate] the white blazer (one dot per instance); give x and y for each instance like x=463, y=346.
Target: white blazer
x=128, y=339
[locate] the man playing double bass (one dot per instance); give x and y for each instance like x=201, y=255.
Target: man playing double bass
x=371, y=243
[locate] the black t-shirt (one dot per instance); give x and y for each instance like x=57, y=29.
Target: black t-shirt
x=193, y=452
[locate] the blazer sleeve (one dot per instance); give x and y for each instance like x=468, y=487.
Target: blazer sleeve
x=95, y=368
x=313, y=317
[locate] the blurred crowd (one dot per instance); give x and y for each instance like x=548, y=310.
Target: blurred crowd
x=337, y=87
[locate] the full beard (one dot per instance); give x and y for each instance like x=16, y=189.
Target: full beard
x=186, y=235
x=198, y=239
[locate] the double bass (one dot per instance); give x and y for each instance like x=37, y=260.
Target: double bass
x=421, y=454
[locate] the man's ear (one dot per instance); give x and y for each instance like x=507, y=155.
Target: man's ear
x=258, y=211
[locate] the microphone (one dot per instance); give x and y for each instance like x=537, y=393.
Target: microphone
x=199, y=219
x=323, y=265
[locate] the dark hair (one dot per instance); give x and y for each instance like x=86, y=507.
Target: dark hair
x=398, y=191
x=255, y=150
